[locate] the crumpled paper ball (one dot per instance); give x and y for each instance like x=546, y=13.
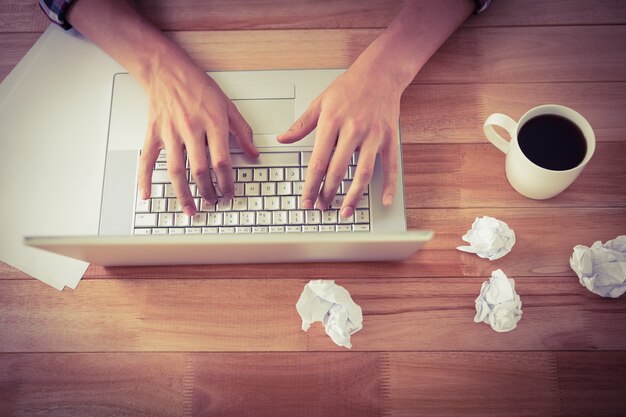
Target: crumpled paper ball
x=325, y=301
x=498, y=304
x=489, y=238
x=602, y=268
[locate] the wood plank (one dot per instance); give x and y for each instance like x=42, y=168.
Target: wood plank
x=192, y=15
x=545, y=240
x=592, y=385
x=554, y=12
x=472, y=55
x=446, y=113
x=93, y=385
x=313, y=384
x=472, y=175
x=251, y=315
x=467, y=384
x=23, y=16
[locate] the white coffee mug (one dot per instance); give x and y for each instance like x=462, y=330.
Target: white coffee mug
x=526, y=177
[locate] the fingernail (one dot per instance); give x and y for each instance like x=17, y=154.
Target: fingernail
x=321, y=206
x=307, y=204
x=143, y=194
x=189, y=210
x=346, y=212
x=388, y=200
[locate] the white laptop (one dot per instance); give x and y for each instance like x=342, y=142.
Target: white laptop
x=263, y=222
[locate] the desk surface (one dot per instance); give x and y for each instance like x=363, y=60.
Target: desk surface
x=226, y=340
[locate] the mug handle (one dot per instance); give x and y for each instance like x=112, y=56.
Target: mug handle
x=503, y=121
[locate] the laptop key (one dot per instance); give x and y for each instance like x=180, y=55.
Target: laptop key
x=166, y=219
x=198, y=219
x=160, y=176
x=143, y=206
x=266, y=200
x=159, y=205
x=145, y=220
x=362, y=216
x=215, y=219
x=181, y=220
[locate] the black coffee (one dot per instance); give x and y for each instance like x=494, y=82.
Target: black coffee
x=552, y=142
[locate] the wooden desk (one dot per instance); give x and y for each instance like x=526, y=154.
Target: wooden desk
x=226, y=340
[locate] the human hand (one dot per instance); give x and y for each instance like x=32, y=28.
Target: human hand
x=359, y=111
x=187, y=111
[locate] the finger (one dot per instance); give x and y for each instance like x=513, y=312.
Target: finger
x=199, y=166
x=390, y=169
x=304, y=125
x=149, y=154
x=217, y=136
x=339, y=162
x=242, y=131
x=362, y=178
x=178, y=176
x=325, y=140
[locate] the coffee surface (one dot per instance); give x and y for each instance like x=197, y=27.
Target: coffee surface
x=552, y=142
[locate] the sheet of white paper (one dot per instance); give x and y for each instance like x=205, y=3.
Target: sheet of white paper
x=498, y=304
x=325, y=301
x=53, y=126
x=602, y=267
x=489, y=238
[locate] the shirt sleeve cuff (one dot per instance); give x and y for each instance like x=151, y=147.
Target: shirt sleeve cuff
x=56, y=10
x=481, y=5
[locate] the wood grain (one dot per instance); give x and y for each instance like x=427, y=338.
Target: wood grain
x=591, y=385
x=338, y=384
x=252, y=315
x=490, y=383
x=472, y=175
x=471, y=55
x=226, y=340
x=545, y=240
x=454, y=113
x=193, y=15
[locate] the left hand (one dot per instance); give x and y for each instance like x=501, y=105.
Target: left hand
x=359, y=111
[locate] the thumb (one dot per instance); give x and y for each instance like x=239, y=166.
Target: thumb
x=304, y=125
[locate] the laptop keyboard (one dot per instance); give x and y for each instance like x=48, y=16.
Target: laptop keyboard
x=266, y=200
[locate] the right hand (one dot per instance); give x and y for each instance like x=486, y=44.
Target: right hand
x=187, y=111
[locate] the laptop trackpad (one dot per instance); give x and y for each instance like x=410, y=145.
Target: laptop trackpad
x=267, y=116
